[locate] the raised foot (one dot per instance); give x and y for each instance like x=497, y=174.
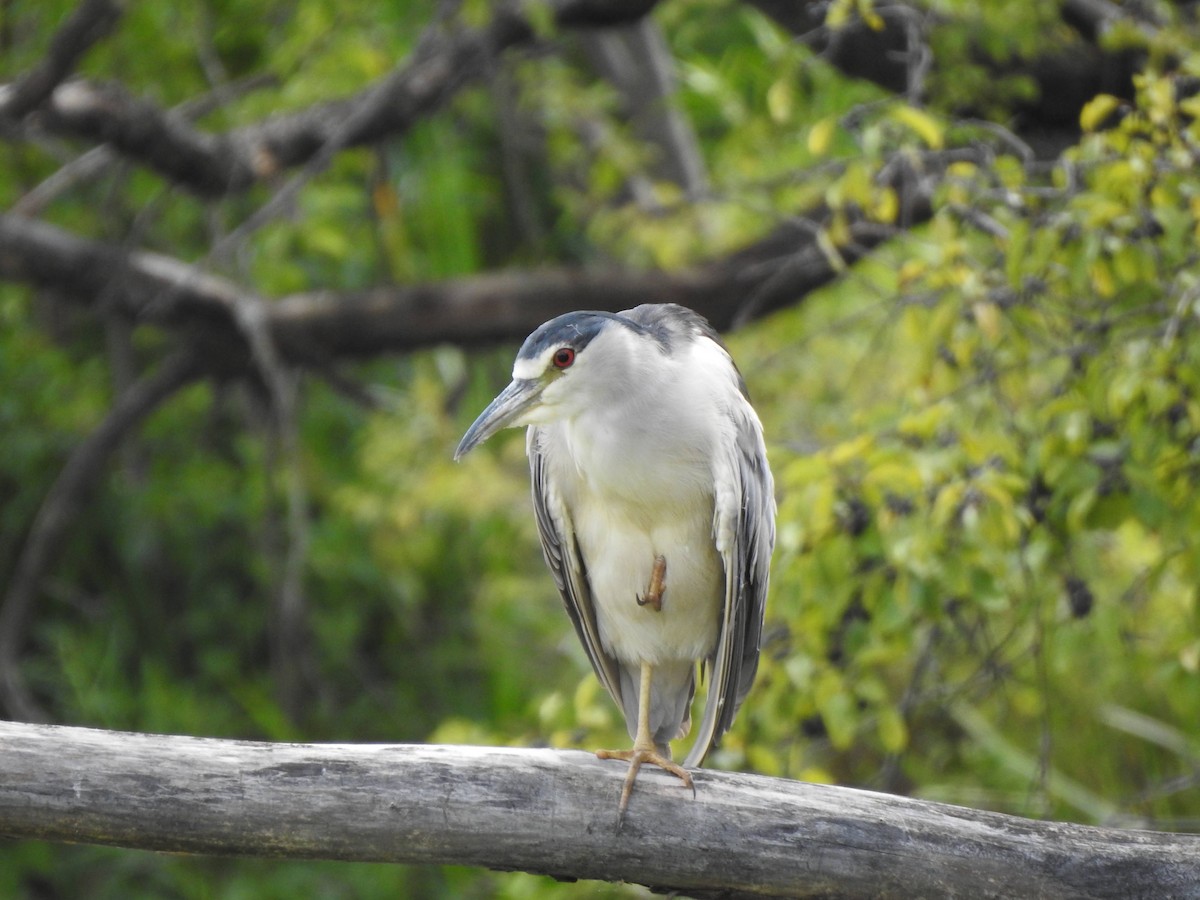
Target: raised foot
x=636, y=758
x=658, y=583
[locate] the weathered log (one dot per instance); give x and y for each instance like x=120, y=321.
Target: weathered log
x=554, y=812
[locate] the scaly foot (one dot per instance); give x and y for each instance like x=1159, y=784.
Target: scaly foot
x=636, y=757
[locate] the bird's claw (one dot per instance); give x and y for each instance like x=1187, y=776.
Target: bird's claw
x=636, y=758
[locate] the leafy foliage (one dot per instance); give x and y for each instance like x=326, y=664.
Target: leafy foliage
x=1014, y=494
x=985, y=436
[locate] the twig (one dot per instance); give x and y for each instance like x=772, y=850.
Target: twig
x=290, y=662
x=97, y=160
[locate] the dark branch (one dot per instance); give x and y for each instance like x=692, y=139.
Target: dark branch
x=314, y=328
x=91, y=21
x=92, y=163
x=146, y=287
x=218, y=164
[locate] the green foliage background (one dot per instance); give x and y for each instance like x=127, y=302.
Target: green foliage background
x=986, y=437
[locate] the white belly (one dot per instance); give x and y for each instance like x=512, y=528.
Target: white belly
x=619, y=542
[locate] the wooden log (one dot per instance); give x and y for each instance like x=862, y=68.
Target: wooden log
x=554, y=812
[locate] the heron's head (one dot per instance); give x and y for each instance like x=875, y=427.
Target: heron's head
x=567, y=365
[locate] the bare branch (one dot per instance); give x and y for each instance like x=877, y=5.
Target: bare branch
x=217, y=164
x=94, y=162
x=637, y=61
x=147, y=287
x=319, y=326
x=91, y=21
x=80, y=170
x=554, y=812
x=288, y=538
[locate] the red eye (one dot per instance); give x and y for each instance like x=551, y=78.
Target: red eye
x=563, y=357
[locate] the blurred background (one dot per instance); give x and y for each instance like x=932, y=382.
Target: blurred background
x=261, y=263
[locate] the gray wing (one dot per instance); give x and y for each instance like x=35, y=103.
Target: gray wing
x=561, y=551
x=744, y=531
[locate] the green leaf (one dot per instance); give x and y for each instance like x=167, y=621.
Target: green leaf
x=820, y=136
x=1097, y=110
x=893, y=732
x=925, y=126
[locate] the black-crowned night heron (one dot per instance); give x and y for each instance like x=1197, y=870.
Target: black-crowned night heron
x=656, y=511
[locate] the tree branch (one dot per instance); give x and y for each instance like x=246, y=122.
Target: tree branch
x=146, y=287
x=554, y=812
x=91, y=21
x=636, y=60
x=218, y=164
x=319, y=326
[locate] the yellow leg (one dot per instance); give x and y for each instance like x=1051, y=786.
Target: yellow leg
x=644, y=749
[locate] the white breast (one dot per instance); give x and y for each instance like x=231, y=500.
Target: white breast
x=635, y=489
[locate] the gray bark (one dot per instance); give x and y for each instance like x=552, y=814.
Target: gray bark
x=554, y=812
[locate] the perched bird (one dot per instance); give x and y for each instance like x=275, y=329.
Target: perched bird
x=656, y=512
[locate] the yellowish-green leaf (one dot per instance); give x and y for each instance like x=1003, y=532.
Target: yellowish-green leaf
x=924, y=423
x=540, y=14
x=853, y=449
x=1079, y=507
x=764, y=759
x=817, y=775
x=893, y=732
x=1015, y=260
x=828, y=241
x=925, y=126
x=820, y=136
x=886, y=206
x=947, y=504
x=988, y=318
x=1097, y=110
x=840, y=13
x=1102, y=278
x=1189, y=658
x=841, y=718
x=781, y=99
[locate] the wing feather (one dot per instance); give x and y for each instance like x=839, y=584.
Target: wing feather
x=561, y=550
x=744, y=531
